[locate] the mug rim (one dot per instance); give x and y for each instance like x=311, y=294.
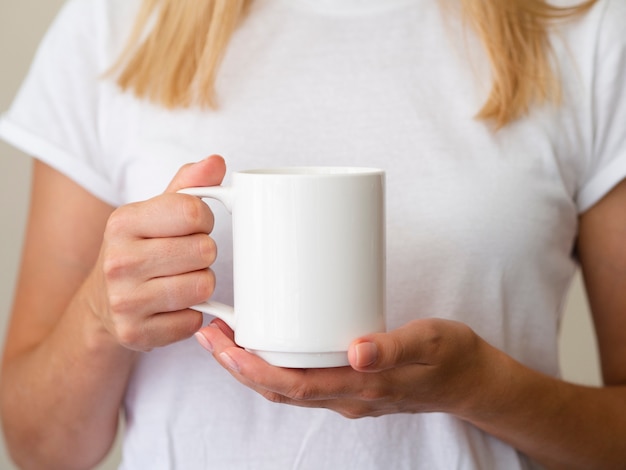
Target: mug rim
x=313, y=171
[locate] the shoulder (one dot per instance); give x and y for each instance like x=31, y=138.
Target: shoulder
x=100, y=11
x=599, y=45
x=82, y=43
x=99, y=28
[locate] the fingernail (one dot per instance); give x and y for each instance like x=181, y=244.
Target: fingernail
x=366, y=354
x=229, y=361
x=204, y=342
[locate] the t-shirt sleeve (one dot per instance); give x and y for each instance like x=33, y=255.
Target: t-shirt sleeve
x=606, y=166
x=54, y=116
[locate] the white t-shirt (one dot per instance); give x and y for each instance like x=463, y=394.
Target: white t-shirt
x=480, y=226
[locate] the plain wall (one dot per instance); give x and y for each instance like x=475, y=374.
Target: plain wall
x=22, y=24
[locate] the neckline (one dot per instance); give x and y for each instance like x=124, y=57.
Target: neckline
x=350, y=7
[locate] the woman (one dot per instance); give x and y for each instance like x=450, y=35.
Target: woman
x=500, y=127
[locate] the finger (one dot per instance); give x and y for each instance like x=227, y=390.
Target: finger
x=163, y=329
x=161, y=257
x=298, y=385
x=179, y=255
x=340, y=389
x=216, y=335
x=418, y=342
x=221, y=324
x=179, y=292
x=207, y=172
x=168, y=215
x=163, y=294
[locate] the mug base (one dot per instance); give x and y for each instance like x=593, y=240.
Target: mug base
x=303, y=360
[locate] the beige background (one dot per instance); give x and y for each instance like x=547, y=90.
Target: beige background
x=22, y=24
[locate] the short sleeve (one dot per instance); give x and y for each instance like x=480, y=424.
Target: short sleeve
x=606, y=166
x=54, y=116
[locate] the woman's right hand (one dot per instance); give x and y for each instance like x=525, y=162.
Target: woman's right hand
x=155, y=262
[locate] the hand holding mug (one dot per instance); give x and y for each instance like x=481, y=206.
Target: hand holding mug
x=154, y=263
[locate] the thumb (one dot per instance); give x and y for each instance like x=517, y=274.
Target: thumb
x=207, y=172
x=417, y=342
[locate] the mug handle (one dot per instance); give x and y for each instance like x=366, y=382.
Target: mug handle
x=222, y=194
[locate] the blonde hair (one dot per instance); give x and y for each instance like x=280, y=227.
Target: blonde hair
x=515, y=36
x=176, y=47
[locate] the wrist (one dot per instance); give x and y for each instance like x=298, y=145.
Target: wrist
x=490, y=387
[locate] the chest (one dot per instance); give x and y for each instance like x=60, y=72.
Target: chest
x=302, y=90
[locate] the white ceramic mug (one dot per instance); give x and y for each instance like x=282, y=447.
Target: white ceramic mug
x=308, y=261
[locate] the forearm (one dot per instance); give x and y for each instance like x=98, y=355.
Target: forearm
x=558, y=424
x=61, y=399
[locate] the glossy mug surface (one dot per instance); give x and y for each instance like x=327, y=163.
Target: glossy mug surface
x=309, y=261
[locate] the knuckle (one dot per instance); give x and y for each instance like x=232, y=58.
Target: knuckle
x=129, y=336
x=119, y=304
x=372, y=394
x=115, y=264
x=117, y=224
x=190, y=209
x=185, y=325
x=354, y=411
x=205, y=285
x=194, y=324
x=301, y=393
x=196, y=213
x=274, y=397
x=397, y=350
x=431, y=328
x=434, y=339
x=207, y=250
x=431, y=338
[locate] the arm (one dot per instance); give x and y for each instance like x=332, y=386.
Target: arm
x=583, y=427
x=37, y=381
x=434, y=365
x=77, y=322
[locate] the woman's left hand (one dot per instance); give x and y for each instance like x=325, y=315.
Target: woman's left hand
x=427, y=365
